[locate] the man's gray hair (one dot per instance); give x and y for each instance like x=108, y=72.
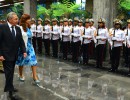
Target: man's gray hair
x=10, y=15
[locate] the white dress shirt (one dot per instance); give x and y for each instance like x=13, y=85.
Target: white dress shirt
x=40, y=31
x=47, y=31
x=102, y=33
x=24, y=35
x=88, y=34
x=55, y=32
x=33, y=29
x=81, y=29
x=117, y=38
x=61, y=28
x=66, y=34
x=127, y=38
x=76, y=34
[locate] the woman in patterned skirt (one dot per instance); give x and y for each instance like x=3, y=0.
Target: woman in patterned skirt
x=30, y=60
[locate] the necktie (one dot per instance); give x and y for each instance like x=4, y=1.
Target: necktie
x=13, y=32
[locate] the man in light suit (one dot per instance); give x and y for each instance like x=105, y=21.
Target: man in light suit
x=10, y=42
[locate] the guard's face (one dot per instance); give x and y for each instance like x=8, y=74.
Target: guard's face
x=87, y=24
x=61, y=23
x=14, y=20
x=39, y=22
x=32, y=22
x=46, y=22
x=70, y=23
x=91, y=23
x=75, y=23
x=129, y=25
x=117, y=26
x=100, y=24
x=54, y=22
x=80, y=23
x=65, y=23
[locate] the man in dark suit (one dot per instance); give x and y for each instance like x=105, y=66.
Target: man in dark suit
x=10, y=42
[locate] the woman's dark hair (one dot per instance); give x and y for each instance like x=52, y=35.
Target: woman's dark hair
x=102, y=26
x=23, y=23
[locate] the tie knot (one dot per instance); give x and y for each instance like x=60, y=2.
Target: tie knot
x=12, y=26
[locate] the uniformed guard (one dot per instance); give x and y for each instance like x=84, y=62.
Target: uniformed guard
x=39, y=35
x=33, y=30
x=70, y=23
x=101, y=35
x=82, y=31
x=86, y=41
x=55, y=37
x=127, y=44
x=76, y=42
x=92, y=46
x=70, y=26
x=47, y=36
x=65, y=38
x=81, y=25
x=60, y=41
x=117, y=37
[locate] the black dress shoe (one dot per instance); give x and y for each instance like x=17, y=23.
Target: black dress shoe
x=13, y=96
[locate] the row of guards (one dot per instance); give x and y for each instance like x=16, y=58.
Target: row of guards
x=80, y=38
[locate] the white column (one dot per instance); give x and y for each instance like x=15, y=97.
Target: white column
x=30, y=7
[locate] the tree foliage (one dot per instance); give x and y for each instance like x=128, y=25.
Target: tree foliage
x=18, y=9
x=65, y=8
x=124, y=4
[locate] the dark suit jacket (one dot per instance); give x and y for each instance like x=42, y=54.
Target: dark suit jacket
x=9, y=46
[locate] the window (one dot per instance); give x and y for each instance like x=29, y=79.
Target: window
x=83, y=4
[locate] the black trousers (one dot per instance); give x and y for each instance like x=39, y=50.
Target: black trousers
x=39, y=43
x=61, y=46
x=126, y=55
x=9, y=74
x=55, y=48
x=47, y=46
x=115, y=57
x=65, y=47
x=85, y=49
x=110, y=53
x=34, y=43
x=99, y=54
x=75, y=51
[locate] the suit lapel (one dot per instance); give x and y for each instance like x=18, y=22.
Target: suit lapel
x=9, y=31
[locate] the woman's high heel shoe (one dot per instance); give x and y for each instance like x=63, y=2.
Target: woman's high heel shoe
x=22, y=79
x=36, y=81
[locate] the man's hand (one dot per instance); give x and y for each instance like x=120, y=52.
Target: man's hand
x=2, y=58
x=24, y=55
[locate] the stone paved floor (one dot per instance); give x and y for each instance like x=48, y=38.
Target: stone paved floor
x=63, y=80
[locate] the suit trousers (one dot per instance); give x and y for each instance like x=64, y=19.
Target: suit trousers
x=9, y=74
